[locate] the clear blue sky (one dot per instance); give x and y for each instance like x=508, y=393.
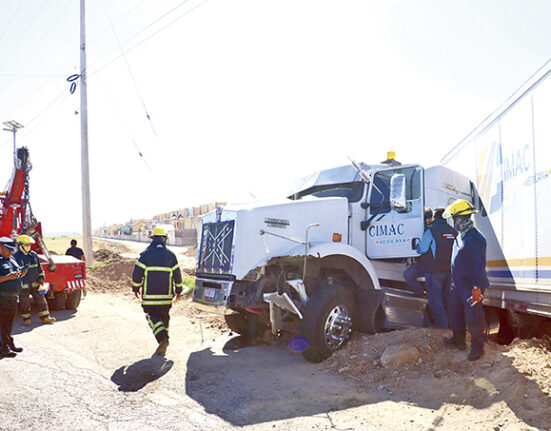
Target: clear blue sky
x=244, y=96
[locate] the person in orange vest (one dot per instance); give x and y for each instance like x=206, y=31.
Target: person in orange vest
x=31, y=282
x=158, y=278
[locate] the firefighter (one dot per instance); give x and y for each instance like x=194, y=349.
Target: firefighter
x=10, y=285
x=469, y=280
x=155, y=273
x=31, y=283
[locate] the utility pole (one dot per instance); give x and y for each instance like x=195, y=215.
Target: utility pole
x=85, y=167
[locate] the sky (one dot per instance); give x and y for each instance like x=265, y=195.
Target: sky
x=245, y=96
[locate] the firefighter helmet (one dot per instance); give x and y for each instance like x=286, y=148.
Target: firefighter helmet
x=158, y=231
x=460, y=207
x=25, y=239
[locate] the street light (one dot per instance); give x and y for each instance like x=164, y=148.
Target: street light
x=13, y=126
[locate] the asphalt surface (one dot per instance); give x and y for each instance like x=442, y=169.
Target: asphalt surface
x=94, y=370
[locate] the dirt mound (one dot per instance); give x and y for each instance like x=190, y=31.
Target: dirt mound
x=103, y=254
x=111, y=245
x=518, y=375
x=115, y=276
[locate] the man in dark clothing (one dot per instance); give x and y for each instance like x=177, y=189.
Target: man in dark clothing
x=469, y=280
x=10, y=285
x=32, y=282
x=157, y=274
x=436, y=251
x=75, y=251
x=415, y=270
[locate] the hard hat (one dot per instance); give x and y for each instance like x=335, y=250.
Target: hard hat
x=158, y=231
x=459, y=208
x=25, y=239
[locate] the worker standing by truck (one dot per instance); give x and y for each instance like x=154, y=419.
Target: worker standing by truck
x=32, y=282
x=435, y=249
x=10, y=285
x=155, y=273
x=469, y=280
x=416, y=270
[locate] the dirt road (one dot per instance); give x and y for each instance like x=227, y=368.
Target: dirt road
x=93, y=370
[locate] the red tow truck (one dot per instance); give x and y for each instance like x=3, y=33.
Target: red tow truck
x=65, y=275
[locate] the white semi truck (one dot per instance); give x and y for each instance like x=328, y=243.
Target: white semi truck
x=330, y=258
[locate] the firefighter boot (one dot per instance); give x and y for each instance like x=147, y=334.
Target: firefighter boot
x=13, y=348
x=161, y=349
x=48, y=319
x=27, y=322
x=5, y=352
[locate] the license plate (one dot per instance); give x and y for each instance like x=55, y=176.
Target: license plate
x=210, y=293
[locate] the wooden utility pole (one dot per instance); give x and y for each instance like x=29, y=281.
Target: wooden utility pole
x=86, y=216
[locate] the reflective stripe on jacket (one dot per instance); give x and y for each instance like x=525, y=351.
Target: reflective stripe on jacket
x=35, y=273
x=158, y=271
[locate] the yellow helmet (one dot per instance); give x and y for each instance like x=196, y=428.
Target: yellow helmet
x=25, y=239
x=158, y=231
x=459, y=208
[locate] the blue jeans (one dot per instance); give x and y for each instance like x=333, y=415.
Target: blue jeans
x=437, y=288
x=411, y=274
x=463, y=316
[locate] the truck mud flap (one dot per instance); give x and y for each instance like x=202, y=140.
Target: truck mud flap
x=402, y=310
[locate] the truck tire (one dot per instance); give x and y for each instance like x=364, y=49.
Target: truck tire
x=329, y=316
x=58, y=303
x=73, y=300
x=245, y=323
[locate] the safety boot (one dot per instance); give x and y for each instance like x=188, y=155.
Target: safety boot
x=5, y=352
x=13, y=348
x=48, y=319
x=161, y=349
x=456, y=341
x=27, y=322
x=475, y=354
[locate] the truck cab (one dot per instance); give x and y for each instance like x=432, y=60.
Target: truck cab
x=329, y=259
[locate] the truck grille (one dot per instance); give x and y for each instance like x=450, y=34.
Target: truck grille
x=216, y=247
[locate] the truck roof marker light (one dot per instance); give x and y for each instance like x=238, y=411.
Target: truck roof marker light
x=337, y=237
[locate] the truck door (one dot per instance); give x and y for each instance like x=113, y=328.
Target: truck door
x=391, y=232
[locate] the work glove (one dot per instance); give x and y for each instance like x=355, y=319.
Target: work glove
x=136, y=291
x=477, y=296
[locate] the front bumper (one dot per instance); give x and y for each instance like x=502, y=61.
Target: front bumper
x=212, y=295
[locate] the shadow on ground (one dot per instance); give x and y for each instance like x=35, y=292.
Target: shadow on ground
x=60, y=316
x=259, y=384
x=134, y=377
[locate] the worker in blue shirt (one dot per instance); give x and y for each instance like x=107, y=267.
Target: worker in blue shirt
x=469, y=280
x=435, y=249
x=415, y=270
x=10, y=286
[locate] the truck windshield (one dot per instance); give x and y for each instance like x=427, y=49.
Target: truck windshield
x=351, y=191
x=380, y=202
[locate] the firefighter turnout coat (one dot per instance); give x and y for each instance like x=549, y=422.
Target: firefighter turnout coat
x=35, y=273
x=158, y=273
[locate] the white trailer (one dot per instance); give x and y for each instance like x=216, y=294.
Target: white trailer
x=508, y=158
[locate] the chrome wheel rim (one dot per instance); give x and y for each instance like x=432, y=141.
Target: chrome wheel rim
x=338, y=327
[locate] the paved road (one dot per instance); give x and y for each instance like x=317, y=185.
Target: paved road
x=93, y=370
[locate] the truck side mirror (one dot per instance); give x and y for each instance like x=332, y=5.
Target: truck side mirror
x=398, y=192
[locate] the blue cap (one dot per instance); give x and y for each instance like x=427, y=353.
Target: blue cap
x=8, y=243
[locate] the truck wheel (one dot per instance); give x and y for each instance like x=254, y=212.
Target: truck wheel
x=327, y=324
x=58, y=303
x=73, y=300
x=245, y=323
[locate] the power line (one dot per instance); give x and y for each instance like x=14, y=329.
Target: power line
x=11, y=19
x=7, y=58
x=152, y=34
x=130, y=70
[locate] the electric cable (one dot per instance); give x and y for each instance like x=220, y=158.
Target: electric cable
x=130, y=135
x=7, y=58
x=130, y=70
x=11, y=19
